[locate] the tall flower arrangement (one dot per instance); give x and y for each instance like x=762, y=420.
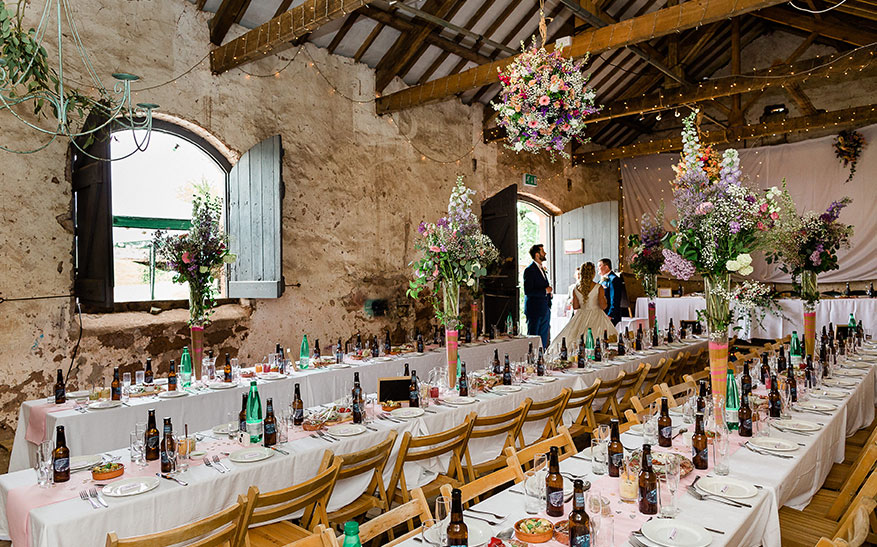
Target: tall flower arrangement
x=543, y=99
x=721, y=221
x=647, y=257
x=806, y=245
x=197, y=256
x=454, y=253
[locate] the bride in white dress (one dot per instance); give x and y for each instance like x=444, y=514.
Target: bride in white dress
x=588, y=312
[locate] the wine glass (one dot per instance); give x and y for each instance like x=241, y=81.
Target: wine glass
x=594, y=508
x=140, y=430
x=431, y=532
x=534, y=485
x=44, y=464
x=442, y=517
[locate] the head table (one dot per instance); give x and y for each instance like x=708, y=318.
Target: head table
x=57, y=517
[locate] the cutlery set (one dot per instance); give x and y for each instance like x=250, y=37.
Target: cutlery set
x=90, y=495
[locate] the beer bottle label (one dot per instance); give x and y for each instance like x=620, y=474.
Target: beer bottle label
x=583, y=540
x=651, y=495
x=580, y=500
x=556, y=498
x=616, y=459
x=667, y=432
x=172, y=381
x=704, y=454
x=152, y=441
x=354, y=407
x=794, y=391
x=59, y=393
x=116, y=393
x=62, y=465
x=270, y=429
x=299, y=414
x=164, y=457
x=746, y=424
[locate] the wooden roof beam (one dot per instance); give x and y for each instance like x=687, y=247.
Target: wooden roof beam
x=838, y=119
x=829, y=26
x=731, y=85
x=229, y=12
x=277, y=33
x=631, y=31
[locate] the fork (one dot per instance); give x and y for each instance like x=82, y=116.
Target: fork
x=701, y=497
x=210, y=465
x=94, y=495
x=220, y=464
x=488, y=521
x=494, y=515
x=84, y=495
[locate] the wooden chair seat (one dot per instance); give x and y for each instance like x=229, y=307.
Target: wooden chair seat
x=523, y=458
x=279, y=533
x=583, y=399
x=508, y=424
x=677, y=394
x=803, y=529
x=836, y=477
x=550, y=410
x=407, y=513
x=640, y=404
x=321, y=537
x=607, y=393
x=369, y=461
x=630, y=386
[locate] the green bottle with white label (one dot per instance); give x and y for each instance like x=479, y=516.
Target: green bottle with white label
x=796, y=351
x=351, y=534
x=732, y=402
x=186, y=367
x=304, y=355
x=589, y=345
x=254, y=414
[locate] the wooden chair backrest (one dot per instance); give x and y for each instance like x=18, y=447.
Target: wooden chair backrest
x=311, y=495
x=474, y=489
x=584, y=399
x=697, y=376
x=322, y=537
x=221, y=529
x=631, y=384
x=408, y=512
x=859, y=472
x=412, y=449
x=550, y=409
x=640, y=404
x=676, y=369
x=656, y=374
x=678, y=394
x=608, y=392
x=563, y=440
x=508, y=424
x=856, y=526
x=868, y=491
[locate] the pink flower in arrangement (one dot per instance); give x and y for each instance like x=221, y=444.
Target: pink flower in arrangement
x=703, y=208
x=761, y=226
x=774, y=215
x=533, y=123
x=763, y=208
x=544, y=100
x=565, y=127
x=186, y=257
x=434, y=248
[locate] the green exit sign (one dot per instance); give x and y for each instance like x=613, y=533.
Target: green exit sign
x=529, y=180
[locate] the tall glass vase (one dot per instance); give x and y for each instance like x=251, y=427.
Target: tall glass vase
x=196, y=349
x=810, y=296
x=197, y=319
x=451, y=309
x=717, y=291
x=650, y=288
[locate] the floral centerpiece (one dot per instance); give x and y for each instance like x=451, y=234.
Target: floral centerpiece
x=720, y=223
x=753, y=299
x=648, y=255
x=848, y=147
x=804, y=246
x=454, y=253
x=543, y=99
x=196, y=257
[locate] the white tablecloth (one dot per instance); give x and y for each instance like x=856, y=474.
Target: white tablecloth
x=102, y=430
x=75, y=523
x=834, y=310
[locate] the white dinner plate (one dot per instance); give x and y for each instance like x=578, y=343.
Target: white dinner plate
x=636, y=429
x=130, y=487
x=773, y=444
x=838, y=382
x=100, y=405
x=675, y=410
x=272, y=376
x=386, y=358
x=479, y=532
x=727, y=487
x=576, y=370
x=850, y=372
x=683, y=534
x=828, y=393
x=455, y=400
x=221, y=429
x=340, y=365
x=84, y=462
x=346, y=430
x=252, y=454
x=78, y=394
x=797, y=425
x=172, y=394
x=506, y=389
x=407, y=412
x=539, y=380
x=816, y=405
x=861, y=366
x=616, y=361
x=222, y=385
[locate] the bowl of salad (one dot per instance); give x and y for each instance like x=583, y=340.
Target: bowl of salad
x=534, y=530
x=109, y=470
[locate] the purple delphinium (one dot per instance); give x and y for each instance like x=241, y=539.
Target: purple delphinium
x=734, y=226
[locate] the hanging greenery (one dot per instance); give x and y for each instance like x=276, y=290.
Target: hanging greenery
x=848, y=148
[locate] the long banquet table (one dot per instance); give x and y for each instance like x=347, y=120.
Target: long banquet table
x=101, y=430
x=829, y=310
x=46, y=521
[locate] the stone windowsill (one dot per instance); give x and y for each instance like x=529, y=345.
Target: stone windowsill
x=102, y=323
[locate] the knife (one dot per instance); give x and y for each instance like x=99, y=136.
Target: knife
x=176, y=480
x=284, y=452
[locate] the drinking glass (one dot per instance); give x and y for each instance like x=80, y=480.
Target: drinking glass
x=442, y=517
x=669, y=483
x=232, y=422
x=235, y=370
x=140, y=430
x=650, y=427
x=173, y=451
x=599, y=456
x=183, y=449
x=140, y=377
x=44, y=464
x=602, y=432
x=134, y=446
x=594, y=508
x=688, y=410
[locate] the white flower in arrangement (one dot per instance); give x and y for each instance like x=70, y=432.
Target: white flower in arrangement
x=742, y=264
x=470, y=282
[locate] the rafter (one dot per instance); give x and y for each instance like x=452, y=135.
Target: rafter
x=829, y=26
x=802, y=47
x=427, y=74
x=342, y=32
x=229, y=12
x=838, y=119
x=628, y=32
x=421, y=50
x=277, y=33
x=730, y=85
x=367, y=43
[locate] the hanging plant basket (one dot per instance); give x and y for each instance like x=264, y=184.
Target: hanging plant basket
x=848, y=148
x=543, y=101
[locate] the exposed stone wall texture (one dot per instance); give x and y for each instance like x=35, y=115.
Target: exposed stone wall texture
x=356, y=188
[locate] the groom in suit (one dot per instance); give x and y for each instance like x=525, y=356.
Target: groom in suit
x=616, y=292
x=537, y=296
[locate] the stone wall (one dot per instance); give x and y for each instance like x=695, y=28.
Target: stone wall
x=357, y=185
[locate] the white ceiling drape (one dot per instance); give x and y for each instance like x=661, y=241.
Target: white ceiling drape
x=814, y=176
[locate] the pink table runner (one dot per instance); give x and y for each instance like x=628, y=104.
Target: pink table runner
x=36, y=421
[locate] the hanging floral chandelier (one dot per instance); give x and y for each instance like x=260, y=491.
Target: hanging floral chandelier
x=544, y=99
x=27, y=78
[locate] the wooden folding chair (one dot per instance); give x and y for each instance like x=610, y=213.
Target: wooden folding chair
x=322, y=537
x=630, y=385
x=698, y=376
x=583, y=399
x=641, y=404
x=221, y=530
x=840, y=472
x=369, y=461
x=508, y=424
x=831, y=503
x=414, y=449
x=607, y=393
x=407, y=513
x=678, y=394
x=312, y=496
x=550, y=410
x=855, y=530
x=524, y=456
x=656, y=374
x=676, y=369
x=488, y=483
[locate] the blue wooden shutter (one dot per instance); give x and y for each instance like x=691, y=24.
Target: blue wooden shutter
x=254, y=200
x=597, y=224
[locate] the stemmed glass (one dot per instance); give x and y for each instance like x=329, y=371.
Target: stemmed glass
x=431, y=532
x=442, y=517
x=594, y=508
x=44, y=464
x=534, y=485
x=140, y=447
x=671, y=479
x=126, y=386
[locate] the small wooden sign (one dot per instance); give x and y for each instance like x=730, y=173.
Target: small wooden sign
x=665, y=293
x=573, y=246
x=393, y=389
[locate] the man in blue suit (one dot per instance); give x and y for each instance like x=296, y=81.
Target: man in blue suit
x=537, y=296
x=616, y=292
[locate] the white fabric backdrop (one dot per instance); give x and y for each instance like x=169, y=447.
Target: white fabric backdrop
x=815, y=177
